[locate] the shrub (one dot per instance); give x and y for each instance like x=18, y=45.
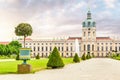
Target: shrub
x=88, y=56
x=113, y=55
x=83, y=57
x=55, y=61
x=76, y=58
x=37, y=57
x=17, y=57
x=117, y=54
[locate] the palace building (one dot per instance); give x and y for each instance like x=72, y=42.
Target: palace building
x=99, y=46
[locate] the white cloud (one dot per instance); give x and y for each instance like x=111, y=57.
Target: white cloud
x=78, y=6
x=110, y=3
x=51, y=19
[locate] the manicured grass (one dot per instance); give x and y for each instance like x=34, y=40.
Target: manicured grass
x=11, y=66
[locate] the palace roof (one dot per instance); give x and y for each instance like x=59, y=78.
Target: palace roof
x=4, y=43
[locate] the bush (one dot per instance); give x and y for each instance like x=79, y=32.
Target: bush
x=83, y=57
x=76, y=58
x=17, y=57
x=88, y=56
x=37, y=57
x=113, y=55
x=55, y=61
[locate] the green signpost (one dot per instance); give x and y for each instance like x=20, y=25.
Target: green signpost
x=25, y=54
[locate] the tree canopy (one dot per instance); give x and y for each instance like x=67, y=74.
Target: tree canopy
x=11, y=48
x=23, y=29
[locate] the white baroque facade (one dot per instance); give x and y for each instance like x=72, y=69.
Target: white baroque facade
x=99, y=46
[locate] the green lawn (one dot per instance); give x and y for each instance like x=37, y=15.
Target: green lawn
x=11, y=66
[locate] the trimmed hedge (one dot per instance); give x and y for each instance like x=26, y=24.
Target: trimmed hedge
x=37, y=57
x=55, y=61
x=76, y=58
x=83, y=57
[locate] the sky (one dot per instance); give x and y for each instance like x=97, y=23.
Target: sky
x=58, y=18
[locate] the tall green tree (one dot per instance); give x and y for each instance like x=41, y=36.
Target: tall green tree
x=23, y=29
x=55, y=61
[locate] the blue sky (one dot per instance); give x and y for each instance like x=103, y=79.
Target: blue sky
x=53, y=18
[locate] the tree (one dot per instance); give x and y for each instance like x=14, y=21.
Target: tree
x=23, y=29
x=88, y=56
x=37, y=57
x=76, y=58
x=55, y=61
x=15, y=44
x=83, y=57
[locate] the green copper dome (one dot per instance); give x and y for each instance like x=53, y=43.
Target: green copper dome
x=89, y=22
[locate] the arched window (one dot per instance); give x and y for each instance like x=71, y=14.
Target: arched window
x=94, y=24
x=84, y=48
x=92, y=47
x=83, y=24
x=88, y=47
x=88, y=24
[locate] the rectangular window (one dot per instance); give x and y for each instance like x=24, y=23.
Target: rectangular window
x=102, y=48
x=84, y=47
x=110, y=48
x=34, y=48
x=50, y=48
x=42, y=48
x=97, y=48
x=116, y=49
x=59, y=48
x=106, y=48
x=46, y=49
x=71, y=49
x=92, y=47
x=66, y=48
x=62, y=49
x=38, y=49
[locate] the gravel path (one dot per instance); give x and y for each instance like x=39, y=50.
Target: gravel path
x=93, y=69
